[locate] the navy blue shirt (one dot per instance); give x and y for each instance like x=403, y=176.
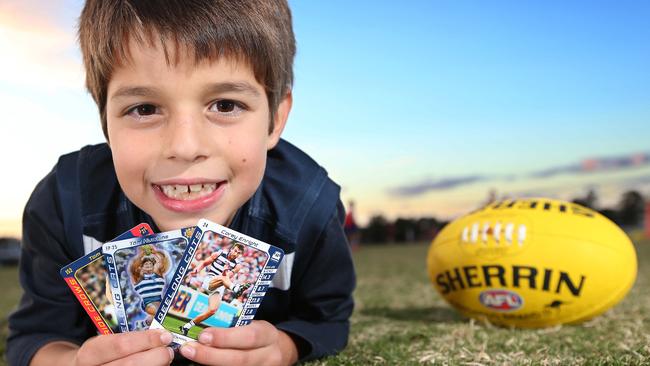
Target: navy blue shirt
x=80, y=205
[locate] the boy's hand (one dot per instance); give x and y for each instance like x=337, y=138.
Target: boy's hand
x=258, y=343
x=134, y=348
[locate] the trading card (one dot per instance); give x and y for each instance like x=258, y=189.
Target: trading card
x=86, y=277
x=220, y=282
x=139, y=271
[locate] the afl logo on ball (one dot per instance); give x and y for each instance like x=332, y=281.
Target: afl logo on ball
x=501, y=300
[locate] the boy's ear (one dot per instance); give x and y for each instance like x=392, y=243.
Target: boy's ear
x=280, y=120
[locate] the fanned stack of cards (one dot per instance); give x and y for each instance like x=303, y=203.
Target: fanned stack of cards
x=183, y=280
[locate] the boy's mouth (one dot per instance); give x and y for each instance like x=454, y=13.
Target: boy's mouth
x=190, y=196
x=187, y=192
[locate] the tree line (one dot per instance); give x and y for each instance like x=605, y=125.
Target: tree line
x=627, y=213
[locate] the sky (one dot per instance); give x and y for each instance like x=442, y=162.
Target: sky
x=416, y=108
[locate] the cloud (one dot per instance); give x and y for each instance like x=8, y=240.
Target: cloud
x=436, y=185
x=39, y=47
x=34, y=15
x=591, y=165
x=553, y=171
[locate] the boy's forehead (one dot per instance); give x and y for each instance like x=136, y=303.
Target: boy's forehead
x=146, y=62
x=174, y=55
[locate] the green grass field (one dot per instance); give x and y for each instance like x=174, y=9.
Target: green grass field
x=172, y=323
x=8, y=301
x=400, y=320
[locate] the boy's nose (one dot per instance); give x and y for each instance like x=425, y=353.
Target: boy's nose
x=185, y=140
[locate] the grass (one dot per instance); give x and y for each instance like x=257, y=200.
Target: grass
x=399, y=319
x=172, y=324
x=8, y=301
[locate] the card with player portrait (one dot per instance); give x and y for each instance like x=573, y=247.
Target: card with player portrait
x=139, y=272
x=87, y=279
x=220, y=282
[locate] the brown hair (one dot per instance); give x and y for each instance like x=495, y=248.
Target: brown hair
x=258, y=32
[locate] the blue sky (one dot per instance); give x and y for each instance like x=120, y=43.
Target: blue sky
x=420, y=92
x=391, y=96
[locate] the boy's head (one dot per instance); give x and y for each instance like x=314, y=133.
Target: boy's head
x=258, y=33
x=191, y=94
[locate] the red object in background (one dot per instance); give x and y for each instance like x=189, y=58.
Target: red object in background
x=350, y=227
x=647, y=220
x=350, y=224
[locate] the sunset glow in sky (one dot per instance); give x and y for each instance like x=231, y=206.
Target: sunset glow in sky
x=415, y=108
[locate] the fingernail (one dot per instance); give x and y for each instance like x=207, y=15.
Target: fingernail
x=171, y=352
x=166, y=337
x=205, y=338
x=188, y=351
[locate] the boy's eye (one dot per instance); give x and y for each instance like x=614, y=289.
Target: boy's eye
x=227, y=106
x=143, y=110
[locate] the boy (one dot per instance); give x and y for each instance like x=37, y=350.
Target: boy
x=221, y=266
x=193, y=97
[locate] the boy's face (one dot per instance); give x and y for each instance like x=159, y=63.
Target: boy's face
x=189, y=141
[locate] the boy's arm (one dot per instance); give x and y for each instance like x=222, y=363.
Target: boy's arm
x=48, y=311
x=322, y=305
x=55, y=354
x=133, y=348
x=50, y=327
x=318, y=325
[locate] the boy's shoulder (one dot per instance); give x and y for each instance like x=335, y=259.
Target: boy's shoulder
x=289, y=166
x=88, y=159
x=89, y=173
x=64, y=193
x=296, y=194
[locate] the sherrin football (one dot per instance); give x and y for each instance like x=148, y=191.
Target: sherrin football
x=532, y=263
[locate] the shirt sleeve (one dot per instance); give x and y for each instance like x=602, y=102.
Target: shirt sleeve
x=322, y=301
x=47, y=311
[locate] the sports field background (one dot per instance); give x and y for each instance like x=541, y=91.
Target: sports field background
x=173, y=323
x=400, y=320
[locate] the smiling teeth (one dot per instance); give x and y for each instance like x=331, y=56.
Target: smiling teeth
x=188, y=192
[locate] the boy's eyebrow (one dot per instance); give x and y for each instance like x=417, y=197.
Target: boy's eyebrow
x=141, y=91
x=133, y=91
x=240, y=87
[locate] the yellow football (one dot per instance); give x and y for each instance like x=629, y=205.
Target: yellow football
x=532, y=263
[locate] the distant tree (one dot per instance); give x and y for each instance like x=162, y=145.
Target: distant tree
x=428, y=227
x=377, y=230
x=405, y=230
x=630, y=208
x=9, y=251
